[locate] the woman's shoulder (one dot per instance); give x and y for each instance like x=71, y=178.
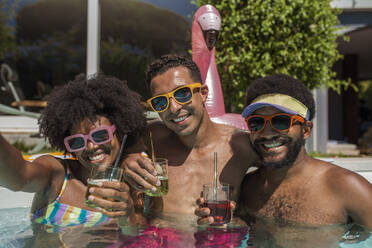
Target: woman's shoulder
x=54, y=166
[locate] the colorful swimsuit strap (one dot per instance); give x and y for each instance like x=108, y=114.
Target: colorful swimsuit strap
x=57, y=215
x=64, y=183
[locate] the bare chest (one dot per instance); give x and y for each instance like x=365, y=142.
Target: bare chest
x=284, y=205
x=186, y=181
x=301, y=204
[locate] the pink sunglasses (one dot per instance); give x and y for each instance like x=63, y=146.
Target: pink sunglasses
x=98, y=136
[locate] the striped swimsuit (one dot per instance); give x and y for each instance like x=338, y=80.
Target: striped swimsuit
x=58, y=215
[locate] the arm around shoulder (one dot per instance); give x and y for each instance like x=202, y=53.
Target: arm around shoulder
x=241, y=145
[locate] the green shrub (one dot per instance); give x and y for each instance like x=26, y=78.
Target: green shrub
x=262, y=37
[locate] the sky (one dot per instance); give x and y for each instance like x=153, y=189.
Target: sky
x=181, y=7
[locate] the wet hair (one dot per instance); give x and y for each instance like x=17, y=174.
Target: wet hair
x=170, y=61
x=282, y=84
x=83, y=99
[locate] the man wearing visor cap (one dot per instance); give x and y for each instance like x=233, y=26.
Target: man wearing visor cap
x=290, y=186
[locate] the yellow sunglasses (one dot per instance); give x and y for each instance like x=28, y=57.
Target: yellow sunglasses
x=181, y=95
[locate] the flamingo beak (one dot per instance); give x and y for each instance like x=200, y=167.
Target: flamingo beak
x=210, y=37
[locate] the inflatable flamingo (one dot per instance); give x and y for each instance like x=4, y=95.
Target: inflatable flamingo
x=205, y=28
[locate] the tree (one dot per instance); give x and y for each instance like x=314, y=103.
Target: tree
x=262, y=37
x=6, y=31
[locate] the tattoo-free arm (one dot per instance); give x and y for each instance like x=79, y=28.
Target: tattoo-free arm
x=18, y=174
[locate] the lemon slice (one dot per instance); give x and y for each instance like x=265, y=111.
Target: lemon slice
x=158, y=169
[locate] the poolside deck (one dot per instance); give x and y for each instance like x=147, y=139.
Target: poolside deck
x=10, y=124
x=19, y=128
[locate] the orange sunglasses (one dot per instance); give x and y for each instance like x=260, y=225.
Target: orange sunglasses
x=280, y=122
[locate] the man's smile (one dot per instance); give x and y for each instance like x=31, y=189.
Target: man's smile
x=273, y=145
x=181, y=119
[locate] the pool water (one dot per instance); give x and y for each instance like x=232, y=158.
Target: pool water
x=15, y=227
x=178, y=232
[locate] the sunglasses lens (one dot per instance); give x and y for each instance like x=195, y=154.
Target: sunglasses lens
x=76, y=143
x=183, y=95
x=256, y=123
x=159, y=103
x=281, y=122
x=101, y=136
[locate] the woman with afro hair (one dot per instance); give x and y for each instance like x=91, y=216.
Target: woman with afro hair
x=102, y=106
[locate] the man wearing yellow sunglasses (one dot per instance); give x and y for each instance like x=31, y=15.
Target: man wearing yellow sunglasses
x=187, y=137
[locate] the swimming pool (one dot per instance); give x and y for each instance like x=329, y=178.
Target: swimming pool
x=175, y=231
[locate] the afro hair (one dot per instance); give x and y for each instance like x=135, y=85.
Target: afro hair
x=86, y=99
x=281, y=84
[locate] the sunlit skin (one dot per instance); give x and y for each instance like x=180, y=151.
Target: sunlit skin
x=183, y=119
x=45, y=175
x=305, y=191
x=274, y=154
x=188, y=138
x=96, y=155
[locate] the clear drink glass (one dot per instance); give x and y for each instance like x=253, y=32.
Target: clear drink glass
x=102, y=175
x=217, y=199
x=161, y=166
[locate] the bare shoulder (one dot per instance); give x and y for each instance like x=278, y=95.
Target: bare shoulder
x=243, y=153
x=353, y=191
x=235, y=134
x=38, y=175
x=49, y=163
x=344, y=181
x=238, y=138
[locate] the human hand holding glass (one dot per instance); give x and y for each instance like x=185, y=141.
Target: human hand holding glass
x=161, y=167
x=113, y=199
x=99, y=177
x=204, y=212
x=217, y=200
x=108, y=188
x=140, y=172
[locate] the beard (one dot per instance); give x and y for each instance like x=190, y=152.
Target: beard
x=293, y=147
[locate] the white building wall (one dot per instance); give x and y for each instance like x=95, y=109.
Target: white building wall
x=352, y=4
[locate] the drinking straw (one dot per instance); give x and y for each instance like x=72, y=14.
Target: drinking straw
x=157, y=167
x=215, y=177
x=119, y=155
x=120, y=151
x=152, y=149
